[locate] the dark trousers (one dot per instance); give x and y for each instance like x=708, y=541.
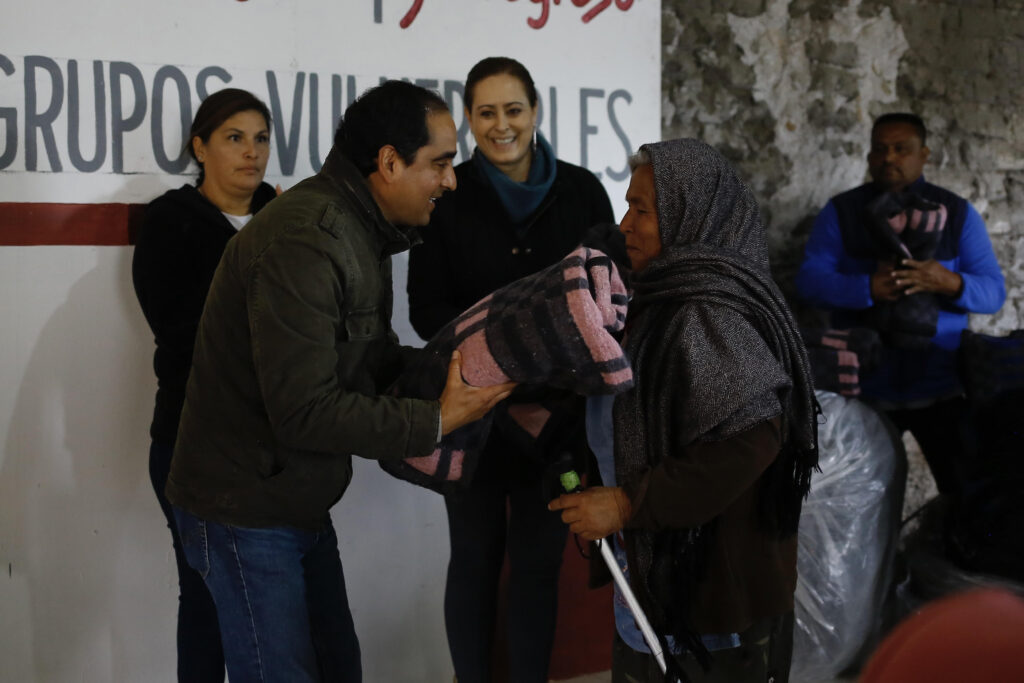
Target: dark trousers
x=764, y=656
x=200, y=655
x=482, y=525
x=942, y=432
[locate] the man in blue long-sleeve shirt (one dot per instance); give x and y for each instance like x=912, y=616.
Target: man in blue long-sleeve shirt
x=841, y=271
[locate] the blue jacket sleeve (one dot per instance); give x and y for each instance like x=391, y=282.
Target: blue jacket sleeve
x=821, y=282
x=984, y=289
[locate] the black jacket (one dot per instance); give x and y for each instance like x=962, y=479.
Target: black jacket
x=177, y=250
x=472, y=248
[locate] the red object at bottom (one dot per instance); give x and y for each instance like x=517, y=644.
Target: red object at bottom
x=973, y=637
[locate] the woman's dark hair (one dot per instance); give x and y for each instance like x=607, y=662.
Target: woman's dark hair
x=493, y=66
x=392, y=113
x=912, y=120
x=215, y=110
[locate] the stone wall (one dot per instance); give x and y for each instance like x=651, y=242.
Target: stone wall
x=787, y=90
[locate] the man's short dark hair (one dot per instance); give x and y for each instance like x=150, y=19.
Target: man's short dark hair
x=392, y=113
x=903, y=117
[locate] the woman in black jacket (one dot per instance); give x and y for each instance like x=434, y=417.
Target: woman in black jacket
x=516, y=210
x=177, y=250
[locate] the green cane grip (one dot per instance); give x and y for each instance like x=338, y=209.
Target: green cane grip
x=570, y=481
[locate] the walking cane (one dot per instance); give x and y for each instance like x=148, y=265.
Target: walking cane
x=571, y=483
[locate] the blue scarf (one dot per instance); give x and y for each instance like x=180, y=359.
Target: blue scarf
x=522, y=199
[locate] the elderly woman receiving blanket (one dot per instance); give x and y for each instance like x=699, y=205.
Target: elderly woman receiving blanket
x=707, y=459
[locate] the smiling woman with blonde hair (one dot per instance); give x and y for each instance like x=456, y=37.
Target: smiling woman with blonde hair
x=516, y=210
x=178, y=248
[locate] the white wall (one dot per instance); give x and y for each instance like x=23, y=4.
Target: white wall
x=87, y=578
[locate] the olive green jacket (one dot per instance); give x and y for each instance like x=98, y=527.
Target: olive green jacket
x=294, y=350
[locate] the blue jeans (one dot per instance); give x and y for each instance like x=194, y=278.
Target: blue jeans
x=200, y=657
x=763, y=656
x=281, y=600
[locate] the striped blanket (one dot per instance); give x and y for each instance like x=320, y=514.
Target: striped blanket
x=905, y=226
x=553, y=328
x=838, y=357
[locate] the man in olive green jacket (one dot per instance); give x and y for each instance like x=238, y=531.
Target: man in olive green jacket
x=294, y=350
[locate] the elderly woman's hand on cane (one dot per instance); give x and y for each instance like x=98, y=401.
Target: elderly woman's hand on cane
x=595, y=513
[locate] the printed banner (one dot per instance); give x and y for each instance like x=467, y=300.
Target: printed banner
x=88, y=123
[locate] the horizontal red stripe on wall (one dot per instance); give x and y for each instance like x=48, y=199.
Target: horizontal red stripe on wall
x=37, y=224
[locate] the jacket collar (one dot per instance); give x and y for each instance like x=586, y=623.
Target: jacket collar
x=343, y=174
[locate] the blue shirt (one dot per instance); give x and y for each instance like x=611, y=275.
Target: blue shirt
x=832, y=279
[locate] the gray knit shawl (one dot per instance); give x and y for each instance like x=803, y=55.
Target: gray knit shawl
x=714, y=350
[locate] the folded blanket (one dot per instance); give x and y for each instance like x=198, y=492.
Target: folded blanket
x=835, y=371
x=838, y=357
x=552, y=328
x=905, y=226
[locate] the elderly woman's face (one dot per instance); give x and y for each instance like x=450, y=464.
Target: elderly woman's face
x=640, y=224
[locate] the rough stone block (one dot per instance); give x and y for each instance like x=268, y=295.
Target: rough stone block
x=746, y=8
x=830, y=52
x=834, y=81
x=980, y=20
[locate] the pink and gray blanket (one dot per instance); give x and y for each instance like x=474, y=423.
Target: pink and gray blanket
x=905, y=225
x=553, y=328
x=838, y=357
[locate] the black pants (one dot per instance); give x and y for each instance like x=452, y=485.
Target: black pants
x=942, y=430
x=200, y=655
x=483, y=522
x=764, y=656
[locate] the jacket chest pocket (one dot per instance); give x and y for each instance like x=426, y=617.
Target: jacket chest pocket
x=364, y=324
